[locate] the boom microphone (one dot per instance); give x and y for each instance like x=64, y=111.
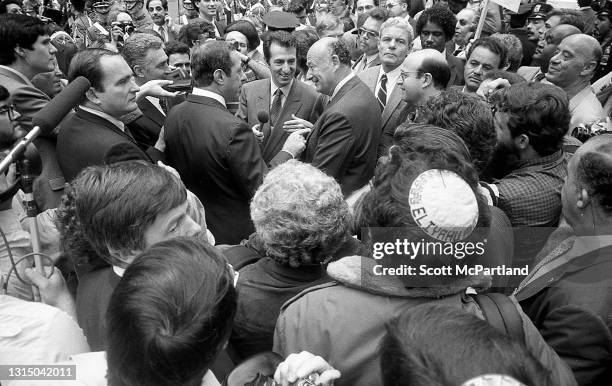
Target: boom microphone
x=49, y=117
x=52, y=114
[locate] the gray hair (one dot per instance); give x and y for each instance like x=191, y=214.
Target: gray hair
x=136, y=46
x=515, y=50
x=399, y=23
x=327, y=23
x=300, y=214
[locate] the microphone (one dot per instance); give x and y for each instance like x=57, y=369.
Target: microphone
x=263, y=118
x=49, y=117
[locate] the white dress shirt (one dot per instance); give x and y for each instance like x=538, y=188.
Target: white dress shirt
x=209, y=94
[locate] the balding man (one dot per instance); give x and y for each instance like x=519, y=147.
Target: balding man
x=344, y=139
x=394, y=44
x=425, y=74
x=542, y=55
x=567, y=295
x=464, y=31
x=572, y=69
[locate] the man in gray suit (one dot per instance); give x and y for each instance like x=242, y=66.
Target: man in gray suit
x=394, y=44
x=289, y=103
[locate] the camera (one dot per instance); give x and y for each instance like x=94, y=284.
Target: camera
x=126, y=26
x=585, y=132
x=181, y=81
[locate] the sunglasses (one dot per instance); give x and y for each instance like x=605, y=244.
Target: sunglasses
x=362, y=32
x=10, y=111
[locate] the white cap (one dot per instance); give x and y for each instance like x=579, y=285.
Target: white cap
x=443, y=205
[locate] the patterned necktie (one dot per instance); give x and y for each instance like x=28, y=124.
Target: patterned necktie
x=275, y=109
x=382, y=92
x=162, y=34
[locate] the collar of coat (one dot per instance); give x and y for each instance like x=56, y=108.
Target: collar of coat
x=358, y=272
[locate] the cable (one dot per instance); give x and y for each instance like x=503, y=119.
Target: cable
x=14, y=264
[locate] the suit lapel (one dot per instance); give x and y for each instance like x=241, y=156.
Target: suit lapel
x=394, y=100
x=150, y=111
x=103, y=122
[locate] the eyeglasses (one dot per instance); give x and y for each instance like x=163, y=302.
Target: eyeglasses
x=362, y=32
x=10, y=111
x=391, y=5
x=406, y=74
x=188, y=5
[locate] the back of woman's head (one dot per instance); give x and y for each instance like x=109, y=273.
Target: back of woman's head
x=434, y=345
x=170, y=315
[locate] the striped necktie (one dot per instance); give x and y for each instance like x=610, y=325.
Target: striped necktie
x=382, y=92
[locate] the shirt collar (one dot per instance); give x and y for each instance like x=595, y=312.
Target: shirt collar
x=118, y=271
x=19, y=74
x=342, y=83
x=370, y=58
x=542, y=160
x=392, y=76
x=285, y=89
x=209, y=94
x=104, y=115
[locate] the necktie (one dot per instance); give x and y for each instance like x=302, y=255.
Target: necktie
x=275, y=109
x=162, y=34
x=382, y=92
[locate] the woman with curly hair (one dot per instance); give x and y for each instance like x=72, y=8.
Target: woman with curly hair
x=302, y=219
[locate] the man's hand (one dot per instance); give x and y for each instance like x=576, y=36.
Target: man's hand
x=301, y=366
x=259, y=135
x=296, y=124
x=53, y=288
x=5, y=183
x=170, y=169
x=489, y=87
x=296, y=142
x=155, y=89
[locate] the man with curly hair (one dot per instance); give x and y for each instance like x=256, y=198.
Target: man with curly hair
x=302, y=220
x=436, y=29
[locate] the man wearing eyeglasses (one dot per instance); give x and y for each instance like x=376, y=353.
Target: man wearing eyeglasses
x=368, y=40
x=400, y=8
x=394, y=44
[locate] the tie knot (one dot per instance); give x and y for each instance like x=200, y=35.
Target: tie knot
x=278, y=92
x=383, y=78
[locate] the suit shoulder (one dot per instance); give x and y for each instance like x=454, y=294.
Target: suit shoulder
x=369, y=73
x=256, y=85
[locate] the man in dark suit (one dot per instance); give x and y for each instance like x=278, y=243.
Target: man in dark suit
x=394, y=44
x=95, y=135
x=158, y=9
x=215, y=152
x=208, y=12
x=145, y=55
x=25, y=51
x=287, y=100
x=344, y=139
x=436, y=27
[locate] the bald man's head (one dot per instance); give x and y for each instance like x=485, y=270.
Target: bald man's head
x=328, y=60
x=552, y=38
x=575, y=61
x=429, y=61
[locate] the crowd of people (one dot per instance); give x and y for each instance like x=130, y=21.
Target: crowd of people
x=225, y=201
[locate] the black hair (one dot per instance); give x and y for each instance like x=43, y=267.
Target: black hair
x=18, y=31
x=435, y=345
x=170, y=315
x=164, y=4
x=281, y=38
x=494, y=45
x=88, y=63
x=176, y=47
x=538, y=110
x=209, y=57
x=594, y=172
x=441, y=16
x=4, y=3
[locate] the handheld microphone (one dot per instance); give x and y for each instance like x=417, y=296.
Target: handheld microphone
x=49, y=117
x=263, y=117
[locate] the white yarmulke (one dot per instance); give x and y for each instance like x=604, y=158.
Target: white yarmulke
x=443, y=205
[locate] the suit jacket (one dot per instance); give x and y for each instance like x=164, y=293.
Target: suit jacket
x=87, y=139
x=28, y=100
x=375, y=62
x=344, y=139
x=219, y=160
x=302, y=100
x=571, y=303
x=456, y=67
x=395, y=112
x=145, y=124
